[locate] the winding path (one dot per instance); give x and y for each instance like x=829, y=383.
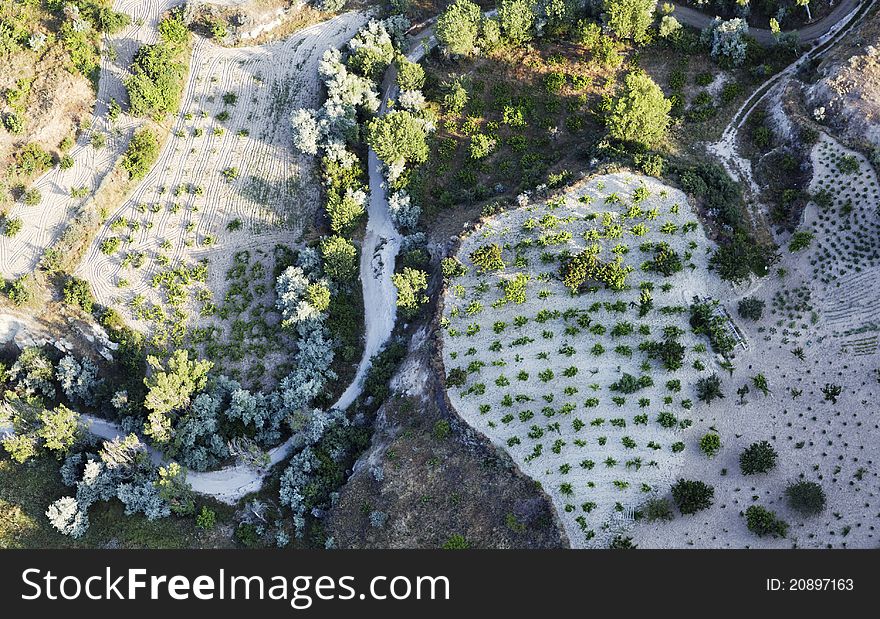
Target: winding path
x=809, y=33
x=834, y=29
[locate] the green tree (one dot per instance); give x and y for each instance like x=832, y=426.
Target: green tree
x=141, y=154
x=757, y=458
x=59, y=429
x=410, y=75
x=517, y=20
x=398, y=137
x=458, y=27
x=640, y=113
x=170, y=391
x=629, y=19
x=340, y=258
x=411, y=286
x=692, y=496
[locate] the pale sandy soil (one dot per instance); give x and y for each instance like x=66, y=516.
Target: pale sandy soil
x=835, y=445
x=654, y=467
x=274, y=195
x=43, y=223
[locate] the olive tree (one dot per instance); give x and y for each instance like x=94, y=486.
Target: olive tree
x=640, y=113
x=458, y=27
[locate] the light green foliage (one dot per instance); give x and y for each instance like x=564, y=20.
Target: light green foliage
x=340, y=258
x=640, y=113
x=141, y=153
x=458, y=27
x=630, y=19
x=170, y=390
x=398, y=137
x=411, y=286
x=517, y=20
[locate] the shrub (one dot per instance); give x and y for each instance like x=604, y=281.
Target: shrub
x=340, y=258
x=657, y=509
x=32, y=197
x=141, y=154
x=709, y=388
x=710, y=444
x=751, y=308
x=156, y=81
x=456, y=542
x=78, y=294
x=12, y=226
x=206, y=519
x=692, y=496
x=411, y=285
x=806, y=497
x=757, y=458
x=762, y=521
x=410, y=75
x=487, y=258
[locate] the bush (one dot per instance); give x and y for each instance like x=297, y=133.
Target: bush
x=78, y=294
x=141, y=154
x=710, y=444
x=411, y=285
x=32, y=197
x=206, y=519
x=692, y=496
x=410, y=75
x=340, y=258
x=657, y=509
x=12, y=226
x=456, y=542
x=757, y=458
x=487, y=258
x=709, y=388
x=762, y=521
x=156, y=83
x=751, y=308
x=806, y=497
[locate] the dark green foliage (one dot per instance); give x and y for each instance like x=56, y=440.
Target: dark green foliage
x=621, y=542
x=757, y=458
x=738, y=258
x=806, y=497
x=692, y=496
x=762, y=521
x=141, y=154
x=705, y=321
x=666, y=260
x=381, y=370
x=751, y=308
x=78, y=294
x=709, y=388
